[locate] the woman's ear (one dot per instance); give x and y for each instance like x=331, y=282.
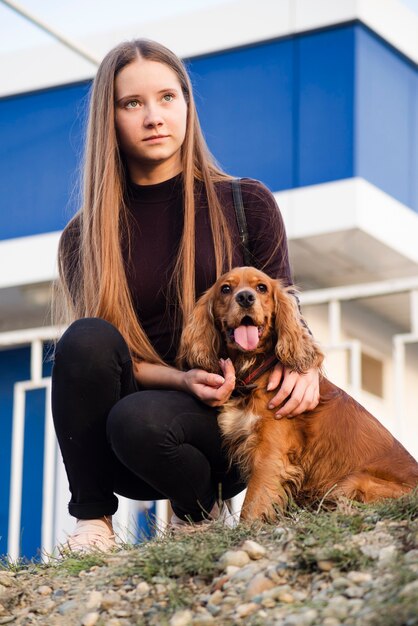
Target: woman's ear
x=295, y=348
x=200, y=341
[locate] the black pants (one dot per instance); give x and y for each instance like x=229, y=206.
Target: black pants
x=142, y=444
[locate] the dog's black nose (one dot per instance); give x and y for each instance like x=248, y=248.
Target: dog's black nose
x=245, y=299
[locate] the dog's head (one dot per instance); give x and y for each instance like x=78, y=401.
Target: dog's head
x=245, y=313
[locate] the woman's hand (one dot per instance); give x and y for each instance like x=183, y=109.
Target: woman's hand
x=212, y=389
x=300, y=390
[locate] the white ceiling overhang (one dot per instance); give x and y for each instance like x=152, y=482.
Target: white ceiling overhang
x=347, y=232
x=193, y=32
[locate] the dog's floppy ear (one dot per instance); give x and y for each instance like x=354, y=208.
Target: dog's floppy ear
x=200, y=341
x=295, y=348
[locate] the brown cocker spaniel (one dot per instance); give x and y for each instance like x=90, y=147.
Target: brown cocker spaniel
x=338, y=449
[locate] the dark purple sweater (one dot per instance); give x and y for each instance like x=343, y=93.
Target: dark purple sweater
x=157, y=212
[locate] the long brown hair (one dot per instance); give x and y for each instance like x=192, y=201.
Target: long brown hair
x=92, y=275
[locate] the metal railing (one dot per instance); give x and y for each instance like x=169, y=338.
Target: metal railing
x=36, y=338
x=333, y=297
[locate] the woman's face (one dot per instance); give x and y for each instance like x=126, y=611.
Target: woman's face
x=150, y=118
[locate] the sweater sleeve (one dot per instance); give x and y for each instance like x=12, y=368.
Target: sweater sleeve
x=266, y=231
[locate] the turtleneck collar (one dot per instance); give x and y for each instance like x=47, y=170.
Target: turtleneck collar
x=160, y=192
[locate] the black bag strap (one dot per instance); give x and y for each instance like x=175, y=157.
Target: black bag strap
x=241, y=220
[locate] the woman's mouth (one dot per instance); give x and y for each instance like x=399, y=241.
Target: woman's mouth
x=155, y=138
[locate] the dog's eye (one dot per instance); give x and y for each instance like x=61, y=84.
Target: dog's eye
x=262, y=288
x=226, y=289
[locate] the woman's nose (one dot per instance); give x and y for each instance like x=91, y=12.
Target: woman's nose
x=153, y=117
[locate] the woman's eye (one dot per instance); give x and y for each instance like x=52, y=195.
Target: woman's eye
x=262, y=288
x=132, y=104
x=168, y=97
x=226, y=289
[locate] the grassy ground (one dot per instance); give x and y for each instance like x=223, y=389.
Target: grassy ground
x=188, y=565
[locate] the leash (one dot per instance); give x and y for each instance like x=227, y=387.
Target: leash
x=245, y=386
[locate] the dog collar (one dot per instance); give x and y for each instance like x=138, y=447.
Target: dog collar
x=244, y=387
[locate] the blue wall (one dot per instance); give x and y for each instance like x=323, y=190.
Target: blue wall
x=245, y=100
x=41, y=136
x=281, y=111
x=298, y=111
x=386, y=104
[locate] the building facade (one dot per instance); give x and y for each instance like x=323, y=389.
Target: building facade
x=317, y=99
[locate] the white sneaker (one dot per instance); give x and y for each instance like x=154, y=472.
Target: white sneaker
x=221, y=514
x=225, y=516
x=91, y=535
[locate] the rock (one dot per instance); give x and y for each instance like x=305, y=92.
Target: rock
x=123, y=613
x=160, y=589
x=371, y=543
x=216, y=597
x=181, y=618
x=325, y=566
x=109, y=600
x=203, y=620
x=253, y=549
x=340, y=583
x=354, y=592
x=286, y=597
x=257, y=585
x=387, y=554
x=143, y=589
x=90, y=619
x=354, y=605
x=219, y=582
x=230, y=599
x=304, y=618
x=410, y=589
x=300, y=596
x=94, y=600
x=231, y=570
x=243, y=610
x=280, y=593
x=44, y=590
x=275, y=572
x=411, y=556
x=213, y=609
x=239, y=558
x=245, y=573
x=337, y=607
x=331, y=621
x=6, y=579
x=359, y=578
x=67, y=607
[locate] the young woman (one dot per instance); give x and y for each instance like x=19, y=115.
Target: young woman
x=156, y=228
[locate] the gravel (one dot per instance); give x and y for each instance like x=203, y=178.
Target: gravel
x=280, y=577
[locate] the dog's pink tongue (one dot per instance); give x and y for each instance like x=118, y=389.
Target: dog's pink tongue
x=246, y=337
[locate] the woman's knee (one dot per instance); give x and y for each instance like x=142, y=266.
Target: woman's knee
x=135, y=418
x=159, y=421
x=90, y=341
x=132, y=434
